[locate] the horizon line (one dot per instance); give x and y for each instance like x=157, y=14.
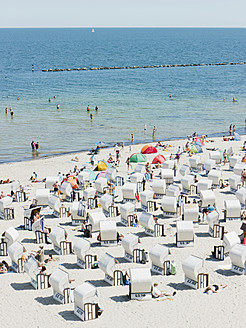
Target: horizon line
x=90, y=27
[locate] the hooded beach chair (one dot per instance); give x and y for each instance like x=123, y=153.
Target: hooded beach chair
x=59, y=281
x=81, y=249
x=147, y=201
x=203, y=184
x=113, y=276
x=215, y=155
x=159, y=188
x=215, y=229
x=38, y=229
x=184, y=234
x=207, y=198
x=11, y=235
x=238, y=168
x=85, y=302
x=140, y=168
x=94, y=220
x=29, y=213
x=38, y=280
x=167, y=175
x=111, y=174
x=129, y=191
x=241, y=196
x=108, y=233
x=66, y=191
x=137, y=178
x=238, y=259
x=127, y=211
x=79, y=213
x=89, y=196
x=15, y=252
x=190, y=212
x=173, y=190
x=235, y=159
x=42, y=197
x=215, y=177
x=194, y=272
x=160, y=264
x=209, y=165
x=84, y=178
x=230, y=239
x=140, y=287
x=168, y=164
x=235, y=183
x=232, y=209
x=6, y=210
x=184, y=170
x=169, y=207
x=153, y=229
x=58, y=238
x=132, y=252
x=101, y=185
x=107, y=204
x=195, y=163
x=188, y=185
x=54, y=203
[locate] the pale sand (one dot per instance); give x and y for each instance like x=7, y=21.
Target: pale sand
x=22, y=306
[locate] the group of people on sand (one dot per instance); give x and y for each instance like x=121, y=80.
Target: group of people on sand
x=35, y=146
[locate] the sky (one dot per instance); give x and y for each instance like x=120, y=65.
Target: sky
x=122, y=13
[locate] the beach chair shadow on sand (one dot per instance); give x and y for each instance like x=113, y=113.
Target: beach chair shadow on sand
x=69, y=316
x=225, y=273
x=120, y=298
x=179, y=286
x=49, y=300
x=21, y=286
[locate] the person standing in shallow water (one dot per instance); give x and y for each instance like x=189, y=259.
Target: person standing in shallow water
x=37, y=146
x=132, y=139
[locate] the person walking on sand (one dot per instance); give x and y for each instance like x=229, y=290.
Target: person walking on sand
x=128, y=163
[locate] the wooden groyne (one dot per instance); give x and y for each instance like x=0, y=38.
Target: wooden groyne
x=137, y=67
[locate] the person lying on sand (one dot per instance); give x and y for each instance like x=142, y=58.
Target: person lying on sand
x=210, y=290
x=156, y=293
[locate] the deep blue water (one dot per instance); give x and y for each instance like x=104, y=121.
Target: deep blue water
x=127, y=99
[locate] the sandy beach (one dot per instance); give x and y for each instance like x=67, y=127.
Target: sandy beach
x=22, y=306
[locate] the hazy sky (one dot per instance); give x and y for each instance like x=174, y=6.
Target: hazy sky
x=104, y=13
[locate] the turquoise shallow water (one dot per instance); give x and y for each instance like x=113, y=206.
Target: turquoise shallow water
x=127, y=99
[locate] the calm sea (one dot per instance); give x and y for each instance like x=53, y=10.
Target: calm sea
x=127, y=99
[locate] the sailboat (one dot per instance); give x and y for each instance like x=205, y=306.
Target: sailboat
x=93, y=30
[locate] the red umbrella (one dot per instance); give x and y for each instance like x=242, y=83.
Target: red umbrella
x=158, y=159
x=148, y=150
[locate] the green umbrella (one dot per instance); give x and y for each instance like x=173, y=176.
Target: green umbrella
x=137, y=158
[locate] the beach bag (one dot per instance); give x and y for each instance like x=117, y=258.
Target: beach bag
x=173, y=269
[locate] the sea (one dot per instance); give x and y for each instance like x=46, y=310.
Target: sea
x=128, y=99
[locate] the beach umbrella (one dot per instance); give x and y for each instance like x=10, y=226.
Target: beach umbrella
x=73, y=181
x=92, y=175
x=148, y=150
x=102, y=174
x=237, y=137
x=102, y=166
x=199, y=141
x=158, y=159
x=101, y=144
x=137, y=158
x=193, y=150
